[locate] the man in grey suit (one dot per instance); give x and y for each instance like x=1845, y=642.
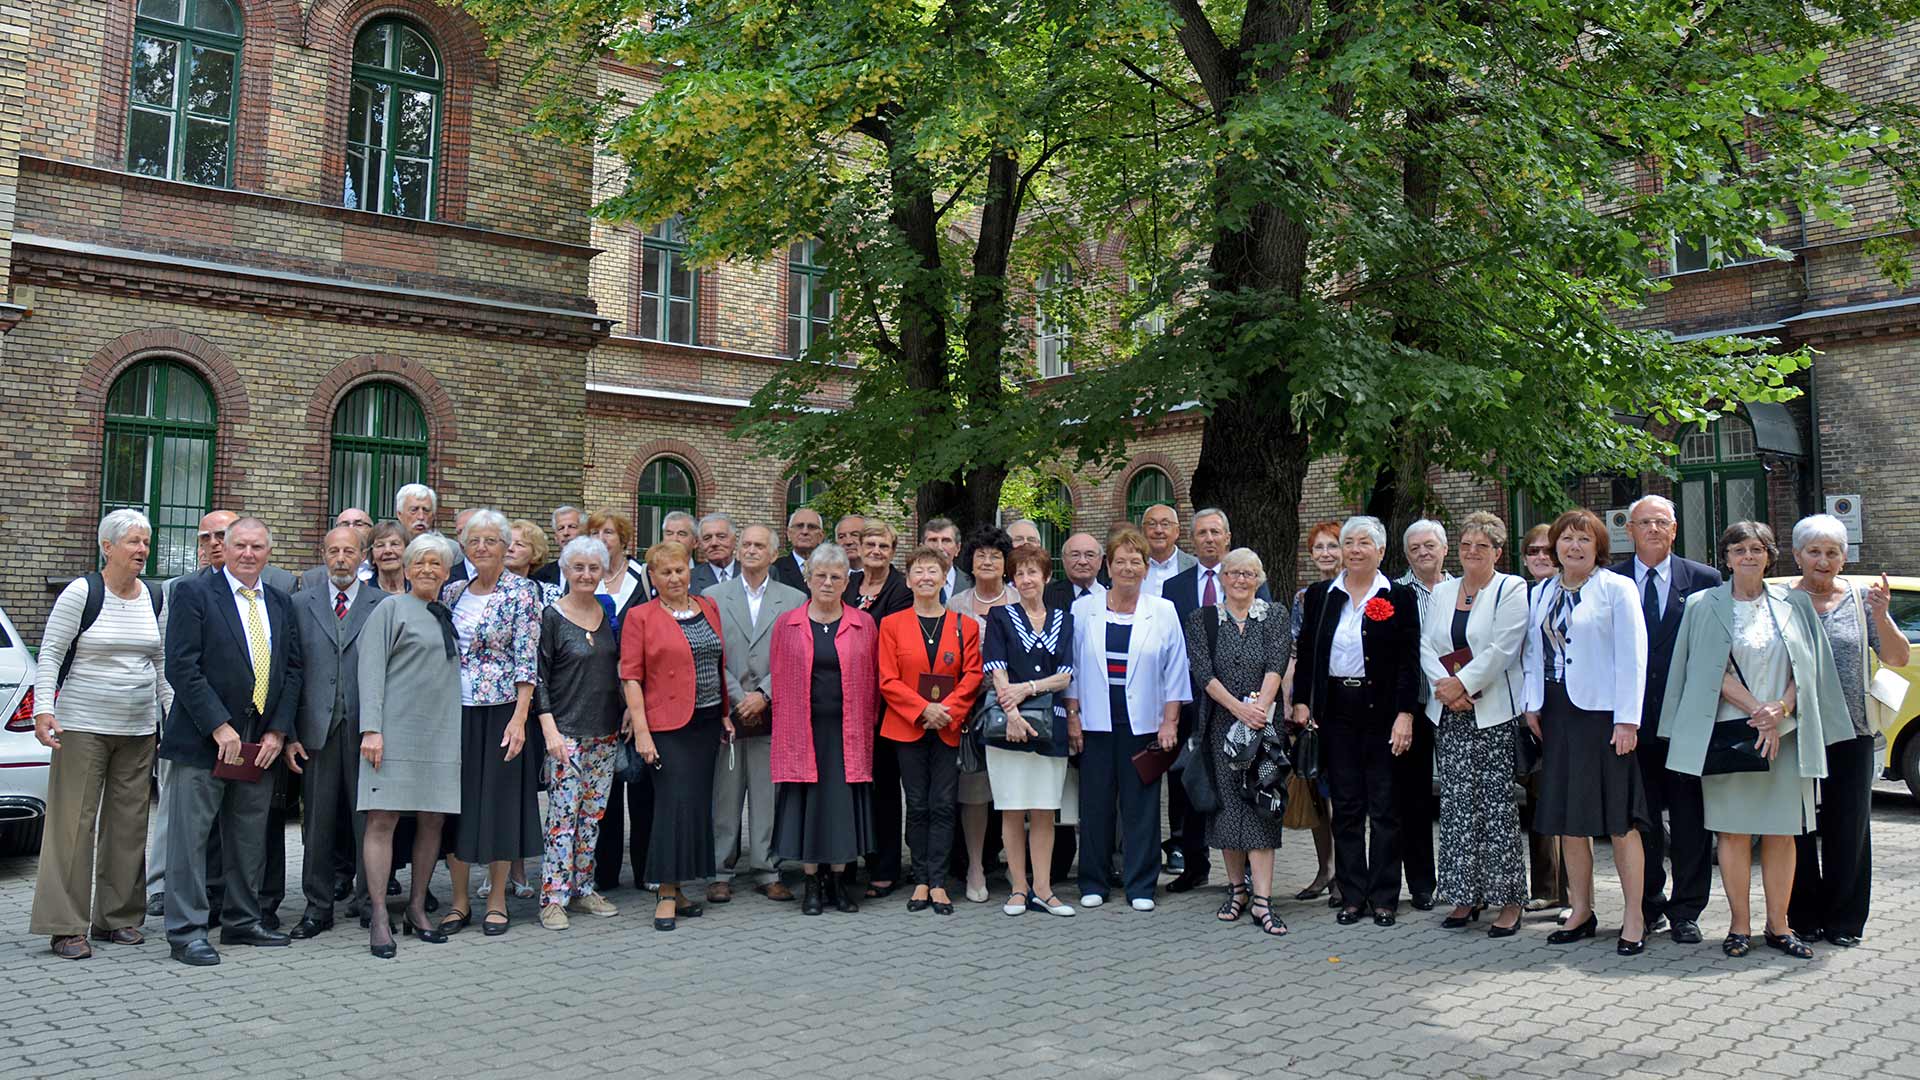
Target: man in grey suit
x=717, y=563
x=326, y=747
x=749, y=603
x=315, y=577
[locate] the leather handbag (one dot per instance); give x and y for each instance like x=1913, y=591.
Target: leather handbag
x=1196, y=775
x=1306, y=754
x=1037, y=711
x=1731, y=747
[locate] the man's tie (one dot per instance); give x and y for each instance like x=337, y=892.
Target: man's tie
x=340, y=605
x=1084, y=591
x=1208, y=597
x=1650, y=600
x=258, y=648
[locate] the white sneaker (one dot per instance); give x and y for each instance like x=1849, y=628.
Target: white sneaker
x=1142, y=904
x=1092, y=900
x=594, y=904
x=1011, y=908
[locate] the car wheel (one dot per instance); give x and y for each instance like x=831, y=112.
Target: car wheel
x=22, y=837
x=1910, y=763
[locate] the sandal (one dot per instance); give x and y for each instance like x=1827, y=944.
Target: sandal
x=1263, y=918
x=495, y=929
x=1737, y=945
x=1790, y=944
x=456, y=921
x=1236, y=904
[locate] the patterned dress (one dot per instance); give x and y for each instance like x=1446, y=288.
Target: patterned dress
x=1481, y=860
x=1241, y=658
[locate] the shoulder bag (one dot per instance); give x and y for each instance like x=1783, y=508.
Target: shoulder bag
x=1731, y=745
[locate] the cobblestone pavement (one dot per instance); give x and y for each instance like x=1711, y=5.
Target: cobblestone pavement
x=755, y=989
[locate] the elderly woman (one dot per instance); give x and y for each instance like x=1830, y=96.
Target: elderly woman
x=411, y=730
x=496, y=617
x=986, y=555
x=625, y=585
x=527, y=553
x=877, y=589
x=386, y=550
x=1358, y=682
x=1323, y=547
x=1833, y=875
x=1586, y=669
x=108, y=673
x=1239, y=647
x=1029, y=655
x=1471, y=645
x=1129, y=679
x=824, y=665
x=1757, y=702
x=579, y=703
x=929, y=678
x=670, y=668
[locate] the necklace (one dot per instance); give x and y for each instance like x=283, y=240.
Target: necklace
x=693, y=611
x=994, y=601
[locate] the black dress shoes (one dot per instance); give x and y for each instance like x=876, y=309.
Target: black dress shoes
x=342, y=890
x=1630, y=948
x=1187, y=881
x=269, y=921
x=1845, y=941
x=1657, y=923
x=1347, y=916
x=810, y=896
x=254, y=935
x=309, y=927
x=1423, y=903
x=429, y=934
x=1497, y=931
x=1685, y=932
x=197, y=953
x=156, y=905
x=1575, y=933
x=1383, y=917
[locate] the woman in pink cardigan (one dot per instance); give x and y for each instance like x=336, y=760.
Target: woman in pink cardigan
x=825, y=691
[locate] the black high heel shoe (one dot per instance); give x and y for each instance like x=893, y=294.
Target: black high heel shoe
x=383, y=952
x=1575, y=933
x=427, y=934
x=1630, y=948
x=919, y=903
x=1455, y=922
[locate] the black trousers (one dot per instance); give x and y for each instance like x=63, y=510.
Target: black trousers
x=1107, y=779
x=1685, y=840
x=1357, y=757
x=883, y=862
x=1187, y=827
x=1417, y=809
x=1833, y=880
x=330, y=784
x=629, y=817
x=930, y=775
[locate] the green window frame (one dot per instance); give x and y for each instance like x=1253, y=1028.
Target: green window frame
x=1054, y=537
x=669, y=289
x=157, y=457
x=1721, y=481
x=811, y=306
x=183, y=92
x=393, y=121
x=1053, y=335
x=380, y=445
x=802, y=490
x=666, y=485
x=1149, y=487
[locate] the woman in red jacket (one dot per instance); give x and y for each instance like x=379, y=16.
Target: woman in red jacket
x=670, y=666
x=929, y=678
x=824, y=710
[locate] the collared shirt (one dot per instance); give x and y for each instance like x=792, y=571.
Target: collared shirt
x=754, y=596
x=724, y=573
x=1091, y=588
x=366, y=570
x=334, y=591
x=1662, y=579
x=1203, y=574
x=628, y=582
x=472, y=570
x=1159, y=572
x=951, y=587
x=1348, y=659
x=234, y=585
x=1425, y=593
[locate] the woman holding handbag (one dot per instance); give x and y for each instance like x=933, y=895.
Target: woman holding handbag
x=1833, y=875
x=1756, y=704
x=1238, y=649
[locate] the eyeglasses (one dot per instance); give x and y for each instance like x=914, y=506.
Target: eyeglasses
x=1651, y=523
x=220, y=535
x=1242, y=575
x=1538, y=549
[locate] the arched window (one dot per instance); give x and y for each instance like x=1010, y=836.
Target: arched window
x=393, y=123
x=802, y=490
x=1149, y=487
x=379, y=446
x=810, y=304
x=185, y=90
x=1721, y=481
x=666, y=485
x=158, y=457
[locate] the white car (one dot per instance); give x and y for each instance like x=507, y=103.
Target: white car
x=23, y=761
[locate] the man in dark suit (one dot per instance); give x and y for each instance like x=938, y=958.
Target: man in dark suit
x=566, y=523
x=945, y=535
x=326, y=750
x=1664, y=580
x=233, y=657
x=805, y=531
x=463, y=569
x=715, y=562
x=1080, y=560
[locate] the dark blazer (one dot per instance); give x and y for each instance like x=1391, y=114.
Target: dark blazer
x=1182, y=591
x=1391, y=647
x=1689, y=577
x=212, y=676
x=705, y=577
x=548, y=574
x=330, y=661
x=787, y=572
x=1061, y=594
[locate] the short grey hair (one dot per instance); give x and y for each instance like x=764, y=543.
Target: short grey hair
x=1660, y=501
x=430, y=543
x=412, y=492
x=1029, y=522
x=585, y=547
x=1819, y=527
x=1424, y=525
x=115, y=526
x=554, y=521
x=1212, y=511
x=1243, y=559
x=485, y=518
x=1365, y=524
x=248, y=521
x=713, y=517
x=826, y=557
x=680, y=515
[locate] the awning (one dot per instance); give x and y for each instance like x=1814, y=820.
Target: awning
x=1774, y=431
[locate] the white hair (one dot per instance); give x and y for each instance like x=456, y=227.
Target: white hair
x=711, y=518
x=826, y=557
x=484, y=518
x=1424, y=525
x=430, y=543
x=1367, y=525
x=115, y=526
x=411, y=492
x=554, y=521
x=1212, y=511
x=679, y=515
x=1029, y=522
x=1658, y=501
x=1243, y=559
x=587, y=547
x=1819, y=527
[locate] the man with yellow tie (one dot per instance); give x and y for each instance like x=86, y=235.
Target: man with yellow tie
x=233, y=658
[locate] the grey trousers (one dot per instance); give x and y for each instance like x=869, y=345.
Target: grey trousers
x=750, y=781
x=197, y=801
x=162, y=829
x=330, y=784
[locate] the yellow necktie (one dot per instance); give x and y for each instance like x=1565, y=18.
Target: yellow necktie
x=257, y=646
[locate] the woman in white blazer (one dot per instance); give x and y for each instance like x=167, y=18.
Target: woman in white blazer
x=1129, y=679
x=1586, y=664
x=1475, y=706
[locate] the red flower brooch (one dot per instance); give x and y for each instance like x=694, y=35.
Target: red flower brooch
x=1379, y=609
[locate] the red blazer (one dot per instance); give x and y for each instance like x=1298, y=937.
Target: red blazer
x=791, y=669
x=903, y=659
x=654, y=652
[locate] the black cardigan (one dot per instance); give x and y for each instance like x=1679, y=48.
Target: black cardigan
x=1391, y=646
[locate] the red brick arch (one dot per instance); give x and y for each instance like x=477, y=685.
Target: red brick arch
x=1157, y=460
x=705, y=484
x=443, y=431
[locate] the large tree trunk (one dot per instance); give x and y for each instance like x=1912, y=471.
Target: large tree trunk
x=1254, y=465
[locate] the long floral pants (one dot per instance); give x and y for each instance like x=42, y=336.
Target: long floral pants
x=577, y=787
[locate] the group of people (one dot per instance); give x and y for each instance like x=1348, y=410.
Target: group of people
x=716, y=709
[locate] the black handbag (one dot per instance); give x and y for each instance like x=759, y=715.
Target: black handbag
x=1306, y=754
x=1196, y=776
x=1731, y=745
x=1037, y=711
x=1526, y=750
x=628, y=766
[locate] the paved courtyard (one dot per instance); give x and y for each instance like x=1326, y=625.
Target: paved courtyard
x=755, y=989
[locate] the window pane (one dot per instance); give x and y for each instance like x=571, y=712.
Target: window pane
x=210, y=82
x=416, y=58
x=796, y=336
x=367, y=114
x=679, y=278
x=680, y=322
x=1736, y=441
x=125, y=479
x=674, y=479
x=371, y=49
x=187, y=398
x=155, y=61
x=1696, y=535
x=650, y=318
x=405, y=421
x=413, y=123
x=354, y=416
x=409, y=188
x=650, y=270
x=149, y=142
x=1689, y=253
x=164, y=10
x=822, y=304
x=796, y=293
x=132, y=393
x=1743, y=498
x=206, y=153
x=357, y=186
x=218, y=16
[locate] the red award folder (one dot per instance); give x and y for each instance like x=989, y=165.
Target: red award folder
x=245, y=771
x=1456, y=660
x=1153, y=762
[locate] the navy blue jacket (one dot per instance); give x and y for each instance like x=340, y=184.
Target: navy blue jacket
x=1689, y=577
x=212, y=675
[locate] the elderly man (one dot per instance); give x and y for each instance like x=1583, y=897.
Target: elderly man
x=463, y=569
x=1080, y=558
x=234, y=660
x=717, y=541
x=566, y=522
x=1161, y=523
x=678, y=527
x=1664, y=580
x=414, y=507
x=846, y=531
x=749, y=603
x=326, y=749
x=1024, y=532
x=805, y=531
x=945, y=535
x=1425, y=544
x=315, y=577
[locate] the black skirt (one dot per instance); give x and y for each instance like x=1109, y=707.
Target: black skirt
x=1585, y=788
x=499, y=799
x=828, y=821
x=680, y=847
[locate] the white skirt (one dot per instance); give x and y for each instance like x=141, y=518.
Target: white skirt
x=1023, y=780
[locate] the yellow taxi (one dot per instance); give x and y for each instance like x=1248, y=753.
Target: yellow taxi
x=1901, y=748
